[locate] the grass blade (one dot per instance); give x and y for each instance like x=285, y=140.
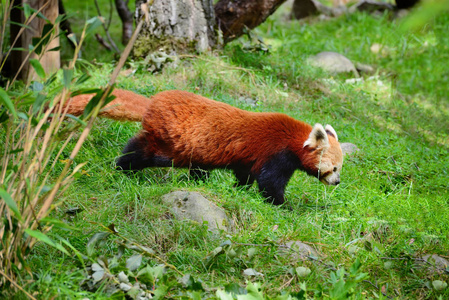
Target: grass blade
x=5, y=100
x=44, y=238
x=10, y=203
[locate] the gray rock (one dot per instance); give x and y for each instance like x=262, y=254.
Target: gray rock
x=250, y=101
x=372, y=6
x=363, y=68
x=193, y=206
x=297, y=250
x=436, y=260
x=333, y=62
x=348, y=148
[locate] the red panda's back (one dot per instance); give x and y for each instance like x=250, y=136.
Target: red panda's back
x=192, y=129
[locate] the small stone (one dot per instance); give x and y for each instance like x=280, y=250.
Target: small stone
x=193, y=206
x=251, y=272
x=297, y=250
x=372, y=6
x=363, y=68
x=333, y=62
x=348, y=148
x=437, y=260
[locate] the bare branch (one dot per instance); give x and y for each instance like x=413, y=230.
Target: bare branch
x=111, y=41
x=103, y=42
x=127, y=20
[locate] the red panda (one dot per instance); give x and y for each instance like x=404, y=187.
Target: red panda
x=185, y=130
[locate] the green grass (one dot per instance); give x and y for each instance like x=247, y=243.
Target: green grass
x=394, y=190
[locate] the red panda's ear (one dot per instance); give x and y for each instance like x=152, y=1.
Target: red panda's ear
x=331, y=131
x=317, y=138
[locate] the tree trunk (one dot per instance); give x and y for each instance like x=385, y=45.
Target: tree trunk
x=177, y=26
x=127, y=20
x=233, y=16
x=50, y=61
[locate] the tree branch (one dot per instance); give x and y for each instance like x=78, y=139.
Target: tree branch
x=113, y=45
x=127, y=19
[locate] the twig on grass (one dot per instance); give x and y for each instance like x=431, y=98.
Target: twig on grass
x=377, y=288
x=286, y=284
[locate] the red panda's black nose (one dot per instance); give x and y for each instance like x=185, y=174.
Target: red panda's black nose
x=337, y=182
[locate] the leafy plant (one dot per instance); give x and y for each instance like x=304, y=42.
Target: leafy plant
x=343, y=284
x=37, y=164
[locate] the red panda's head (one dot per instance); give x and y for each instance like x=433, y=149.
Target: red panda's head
x=324, y=155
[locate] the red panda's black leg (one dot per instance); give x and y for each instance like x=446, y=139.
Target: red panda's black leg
x=275, y=174
x=272, y=191
x=244, y=178
x=137, y=157
x=199, y=174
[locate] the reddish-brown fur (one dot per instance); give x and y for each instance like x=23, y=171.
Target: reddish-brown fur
x=127, y=106
x=183, y=129
x=202, y=131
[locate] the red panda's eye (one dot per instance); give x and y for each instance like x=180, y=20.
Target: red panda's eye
x=335, y=169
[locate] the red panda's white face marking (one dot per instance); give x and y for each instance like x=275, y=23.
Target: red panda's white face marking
x=330, y=160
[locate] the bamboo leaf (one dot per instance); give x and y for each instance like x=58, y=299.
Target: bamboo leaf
x=40, y=100
x=72, y=38
x=38, y=68
x=82, y=79
x=20, y=25
x=6, y=101
x=58, y=224
x=54, y=49
x=95, y=101
x=10, y=203
x=76, y=119
x=85, y=91
x=40, y=42
x=27, y=10
x=67, y=78
x=93, y=24
x=44, y=238
x=36, y=86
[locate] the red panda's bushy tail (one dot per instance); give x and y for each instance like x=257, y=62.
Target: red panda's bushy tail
x=127, y=106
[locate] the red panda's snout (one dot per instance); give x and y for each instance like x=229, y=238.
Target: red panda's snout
x=332, y=179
